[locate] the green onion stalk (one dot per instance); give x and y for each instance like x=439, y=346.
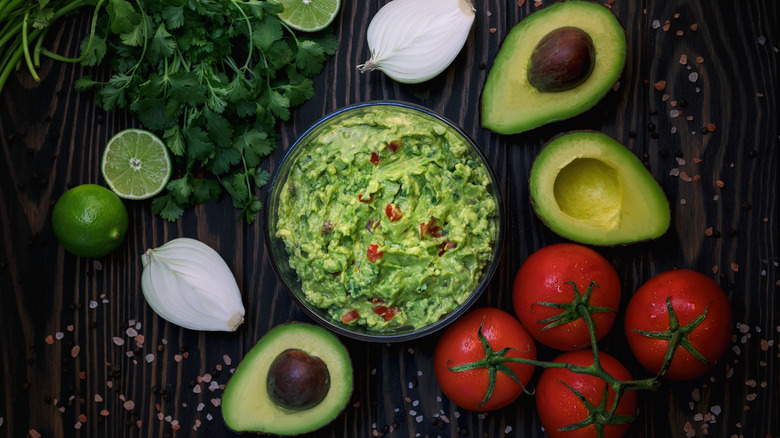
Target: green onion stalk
x=23, y=27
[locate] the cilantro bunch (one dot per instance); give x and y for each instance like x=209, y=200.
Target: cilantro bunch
x=213, y=77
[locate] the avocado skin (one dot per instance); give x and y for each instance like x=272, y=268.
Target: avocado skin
x=511, y=104
x=246, y=406
x=639, y=207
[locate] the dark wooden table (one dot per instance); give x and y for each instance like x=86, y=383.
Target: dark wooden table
x=62, y=374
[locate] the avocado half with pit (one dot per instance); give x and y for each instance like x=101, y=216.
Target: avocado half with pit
x=295, y=380
x=589, y=188
x=556, y=63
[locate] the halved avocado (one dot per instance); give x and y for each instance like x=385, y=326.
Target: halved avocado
x=295, y=380
x=589, y=188
x=556, y=63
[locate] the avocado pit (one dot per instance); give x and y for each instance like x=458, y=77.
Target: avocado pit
x=297, y=380
x=562, y=60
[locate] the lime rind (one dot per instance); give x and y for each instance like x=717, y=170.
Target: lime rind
x=309, y=15
x=136, y=164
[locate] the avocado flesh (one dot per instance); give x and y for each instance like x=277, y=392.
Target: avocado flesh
x=246, y=406
x=510, y=104
x=589, y=188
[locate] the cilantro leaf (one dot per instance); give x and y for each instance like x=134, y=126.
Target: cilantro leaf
x=162, y=43
x=310, y=57
x=167, y=207
x=124, y=17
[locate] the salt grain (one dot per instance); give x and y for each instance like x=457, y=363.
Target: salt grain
x=761, y=40
x=59, y=335
x=131, y=332
x=227, y=360
x=75, y=351
x=149, y=358
x=693, y=77
x=129, y=405
x=34, y=433
x=93, y=304
x=419, y=418
x=507, y=429
x=118, y=341
x=656, y=24
x=200, y=407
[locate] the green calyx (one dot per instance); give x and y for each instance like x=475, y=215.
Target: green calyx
x=494, y=362
x=677, y=335
x=574, y=309
x=598, y=416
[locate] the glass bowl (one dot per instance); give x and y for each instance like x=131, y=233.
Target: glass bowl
x=391, y=113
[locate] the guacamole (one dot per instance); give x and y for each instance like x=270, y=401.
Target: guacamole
x=389, y=219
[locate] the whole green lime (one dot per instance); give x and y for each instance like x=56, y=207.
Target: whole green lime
x=89, y=220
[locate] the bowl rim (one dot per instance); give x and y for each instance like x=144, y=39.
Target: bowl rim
x=446, y=319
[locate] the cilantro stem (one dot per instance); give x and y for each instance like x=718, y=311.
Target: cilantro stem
x=84, y=52
x=249, y=34
x=26, y=48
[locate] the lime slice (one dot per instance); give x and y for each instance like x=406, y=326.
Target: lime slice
x=136, y=164
x=309, y=15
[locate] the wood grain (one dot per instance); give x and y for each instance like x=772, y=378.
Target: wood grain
x=62, y=317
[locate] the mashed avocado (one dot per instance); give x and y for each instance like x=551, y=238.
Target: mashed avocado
x=389, y=219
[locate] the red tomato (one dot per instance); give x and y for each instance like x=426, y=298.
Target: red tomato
x=460, y=344
x=373, y=254
x=558, y=406
x=393, y=212
x=545, y=277
x=690, y=293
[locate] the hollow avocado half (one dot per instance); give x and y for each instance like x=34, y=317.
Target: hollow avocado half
x=249, y=406
x=589, y=188
x=512, y=104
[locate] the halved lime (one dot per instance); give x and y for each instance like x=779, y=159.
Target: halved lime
x=136, y=164
x=309, y=15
